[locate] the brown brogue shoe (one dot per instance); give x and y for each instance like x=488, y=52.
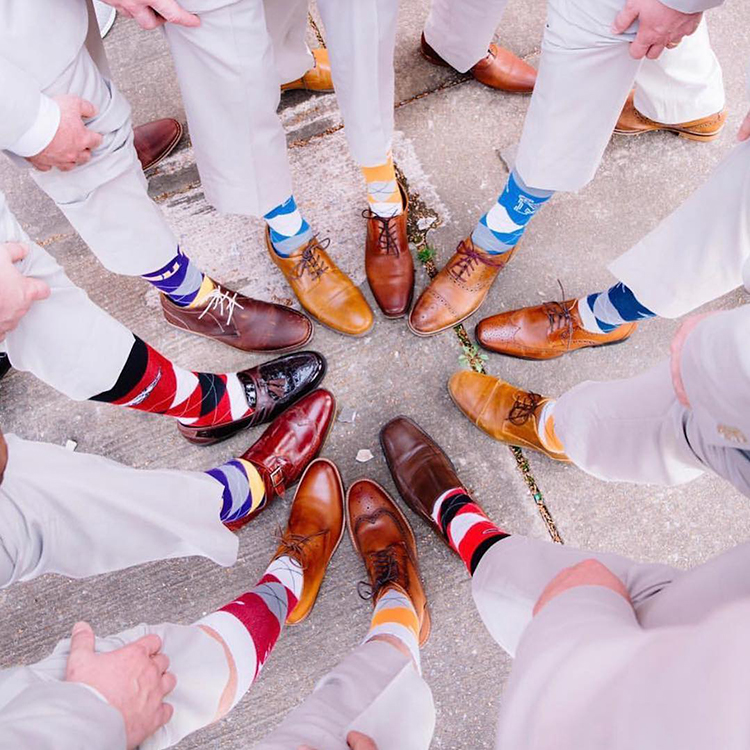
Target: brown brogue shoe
x=314, y=530
x=458, y=290
x=323, y=289
x=288, y=445
x=500, y=69
x=156, y=140
x=632, y=122
x=382, y=536
x=504, y=412
x=544, y=331
x=318, y=78
x=242, y=322
x=388, y=261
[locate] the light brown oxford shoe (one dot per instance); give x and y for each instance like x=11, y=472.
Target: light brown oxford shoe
x=506, y=413
x=318, y=78
x=632, y=122
x=544, y=331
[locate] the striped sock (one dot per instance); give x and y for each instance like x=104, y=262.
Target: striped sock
x=499, y=230
x=605, y=311
x=182, y=281
x=383, y=193
x=466, y=527
x=150, y=382
x=289, y=231
x=251, y=624
x=244, y=491
x=395, y=615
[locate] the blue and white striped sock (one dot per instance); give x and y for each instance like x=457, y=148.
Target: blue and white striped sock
x=499, y=230
x=605, y=311
x=289, y=231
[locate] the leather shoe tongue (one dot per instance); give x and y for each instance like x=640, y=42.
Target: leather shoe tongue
x=277, y=387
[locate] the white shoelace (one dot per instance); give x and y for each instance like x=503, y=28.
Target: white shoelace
x=217, y=299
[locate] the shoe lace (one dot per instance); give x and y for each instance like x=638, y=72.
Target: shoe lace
x=388, y=237
x=295, y=545
x=311, y=261
x=218, y=299
x=385, y=569
x=560, y=317
x=468, y=258
x=523, y=407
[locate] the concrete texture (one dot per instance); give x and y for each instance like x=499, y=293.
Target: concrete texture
x=453, y=138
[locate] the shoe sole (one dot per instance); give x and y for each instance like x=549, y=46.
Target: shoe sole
x=426, y=628
x=555, y=356
x=690, y=136
x=168, y=150
x=440, y=330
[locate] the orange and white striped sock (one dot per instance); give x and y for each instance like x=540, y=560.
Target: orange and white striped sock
x=395, y=616
x=383, y=193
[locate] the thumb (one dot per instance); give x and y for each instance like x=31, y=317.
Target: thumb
x=35, y=289
x=82, y=639
x=87, y=109
x=359, y=741
x=624, y=20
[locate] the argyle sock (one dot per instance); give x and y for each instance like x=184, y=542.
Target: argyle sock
x=546, y=429
x=252, y=623
x=182, y=281
x=605, y=311
x=289, y=231
x=244, y=490
x=150, y=382
x=466, y=527
x=395, y=615
x=383, y=194
x=499, y=230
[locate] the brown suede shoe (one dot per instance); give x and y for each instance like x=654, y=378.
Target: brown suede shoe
x=314, y=530
x=500, y=69
x=382, y=536
x=506, y=413
x=325, y=291
x=458, y=290
x=242, y=322
x=318, y=78
x=544, y=331
x=632, y=122
x=156, y=140
x=388, y=261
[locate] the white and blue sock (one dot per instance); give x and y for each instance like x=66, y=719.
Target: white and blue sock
x=289, y=231
x=499, y=230
x=605, y=311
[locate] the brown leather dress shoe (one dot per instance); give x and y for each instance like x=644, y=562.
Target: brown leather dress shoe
x=500, y=69
x=458, y=290
x=314, y=530
x=242, y=322
x=318, y=78
x=156, y=140
x=632, y=122
x=504, y=412
x=388, y=261
x=288, y=445
x=544, y=331
x=275, y=385
x=323, y=289
x=382, y=536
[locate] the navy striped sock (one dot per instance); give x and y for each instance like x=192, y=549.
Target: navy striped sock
x=605, y=311
x=180, y=279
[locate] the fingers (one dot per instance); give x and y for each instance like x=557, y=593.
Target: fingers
x=93, y=139
x=744, y=132
x=639, y=48
x=173, y=12
x=82, y=639
x=168, y=682
x=654, y=51
x=35, y=289
x=147, y=19
x=164, y=715
x=624, y=20
x=359, y=741
x=161, y=661
x=87, y=109
x=16, y=251
x=150, y=643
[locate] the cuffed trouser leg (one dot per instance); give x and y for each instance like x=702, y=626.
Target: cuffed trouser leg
x=81, y=515
x=375, y=690
x=361, y=39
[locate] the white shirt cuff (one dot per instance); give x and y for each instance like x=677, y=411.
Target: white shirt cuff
x=41, y=133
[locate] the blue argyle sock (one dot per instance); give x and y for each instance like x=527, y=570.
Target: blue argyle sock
x=289, y=231
x=181, y=280
x=244, y=491
x=605, y=311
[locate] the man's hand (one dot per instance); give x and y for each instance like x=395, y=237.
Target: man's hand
x=658, y=26
x=150, y=14
x=17, y=292
x=355, y=740
x=73, y=141
x=744, y=132
x=133, y=679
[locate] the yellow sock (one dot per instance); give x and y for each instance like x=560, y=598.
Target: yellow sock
x=383, y=193
x=207, y=286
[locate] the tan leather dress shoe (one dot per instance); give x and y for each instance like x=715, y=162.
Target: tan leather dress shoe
x=314, y=530
x=318, y=78
x=458, y=290
x=388, y=261
x=504, y=412
x=382, y=536
x=500, y=69
x=325, y=291
x=156, y=140
x=544, y=332
x=632, y=122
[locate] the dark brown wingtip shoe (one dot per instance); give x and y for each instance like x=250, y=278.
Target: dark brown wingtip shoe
x=156, y=140
x=382, y=536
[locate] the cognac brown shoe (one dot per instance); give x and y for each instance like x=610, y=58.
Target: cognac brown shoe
x=314, y=530
x=382, y=536
x=544, y=331
x=500, y=69
x=325, y=291
x=458, y=290
x=242, y=322
x=318, y=78
x=632, y=122
x=156, y=140
x=388, y=261
x=504, y=412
